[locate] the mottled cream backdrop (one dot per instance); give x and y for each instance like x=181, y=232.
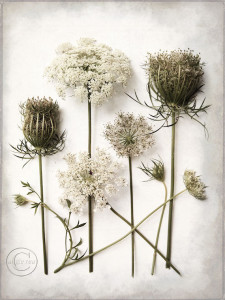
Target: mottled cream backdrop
x=32, y=31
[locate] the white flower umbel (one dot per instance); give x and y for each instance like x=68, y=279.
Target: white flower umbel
x=194, y=185
x=129, y=135
x=90, y=69
x=96, y=176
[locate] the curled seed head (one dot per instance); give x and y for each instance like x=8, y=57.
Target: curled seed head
x=40, y=121
x=176, y=77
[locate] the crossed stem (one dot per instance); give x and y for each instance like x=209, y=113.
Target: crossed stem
x=158, y=233
x=124, y=236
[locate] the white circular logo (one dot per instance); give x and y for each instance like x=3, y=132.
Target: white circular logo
x=21, y=261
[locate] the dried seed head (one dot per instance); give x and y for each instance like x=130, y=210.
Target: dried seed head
x=175, y=77
x=194, y=185
x=40, y=121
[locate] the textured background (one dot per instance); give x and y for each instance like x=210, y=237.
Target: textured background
x=32, y=31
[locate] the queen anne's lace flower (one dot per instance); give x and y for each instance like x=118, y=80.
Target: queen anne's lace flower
x=96, y=176
x=194, y=184
x=90, y=69
x=129, y=135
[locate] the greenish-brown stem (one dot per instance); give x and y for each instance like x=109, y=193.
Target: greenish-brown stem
x=42, y=215
x=170, y=219
x=123, y=237
x=131, y=214
x=158, y=232
x=89, y=128
x=90, y=229
x=90, y=200
x=67, y=255
x=144, y=238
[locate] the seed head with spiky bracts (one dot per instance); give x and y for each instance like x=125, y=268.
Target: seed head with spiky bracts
x=176, y=77
x=40, y=126
x=156, y=172
x=40, y=121
x=174, y=80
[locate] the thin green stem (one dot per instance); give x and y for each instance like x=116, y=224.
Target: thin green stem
x=144, y=238
x=123, y=237
x=132, y=215
x=42, y=215
x=158, y=232
x=66, y=231
x=66, y=226
x=90, y=228
x=169, y=237
x=67, y=255
x=89, y=128
x=90, y=200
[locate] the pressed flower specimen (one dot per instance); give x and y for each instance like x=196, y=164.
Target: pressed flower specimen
x=40, y=128
x=130, y=136
x=175, y=79
x=91, y=70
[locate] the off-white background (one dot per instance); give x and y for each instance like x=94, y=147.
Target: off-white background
x=32, y=31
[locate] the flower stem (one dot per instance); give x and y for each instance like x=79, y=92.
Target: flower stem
x=67, y=255
x=66, y=231
x=144, y=238
x=123, y=237
x=42, y=215
x=90, y=210
x=158, y=232
x=169, y=237
x=132, y=214
x=89, y=128
x=90, y=228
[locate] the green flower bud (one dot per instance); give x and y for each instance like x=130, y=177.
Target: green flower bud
x=20, y=200
x=156, y=172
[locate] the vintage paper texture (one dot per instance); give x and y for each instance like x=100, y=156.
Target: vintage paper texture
x=31, y=32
